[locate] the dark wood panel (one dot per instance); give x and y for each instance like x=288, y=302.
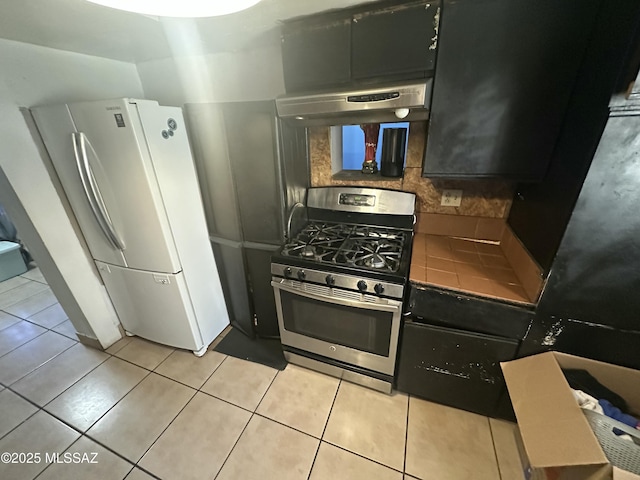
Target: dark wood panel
x=540, y=212
x=395, y=40
x=253, y=155
x=455, y=368
x=264, y=303
x=316, y=53
x=470, y=313
x=504, y=74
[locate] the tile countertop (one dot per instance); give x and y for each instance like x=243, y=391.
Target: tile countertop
x=466, y=265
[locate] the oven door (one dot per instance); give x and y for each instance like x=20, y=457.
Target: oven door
x=339, y=324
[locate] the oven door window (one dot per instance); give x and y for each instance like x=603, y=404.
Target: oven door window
x=359, y=328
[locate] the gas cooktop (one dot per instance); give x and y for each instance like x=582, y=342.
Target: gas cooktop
x=363, y=247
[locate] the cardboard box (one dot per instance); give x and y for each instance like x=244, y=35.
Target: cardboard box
x=556, y=440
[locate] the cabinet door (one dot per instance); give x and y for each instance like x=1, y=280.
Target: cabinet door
x=233, y=277
x=316, y=53
x=208, y=137
x=504, y=74
x=253, y=153
x=264, y=303
x=453, y=367
x=398, y=41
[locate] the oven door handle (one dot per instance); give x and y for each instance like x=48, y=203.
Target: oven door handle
x=392, y=306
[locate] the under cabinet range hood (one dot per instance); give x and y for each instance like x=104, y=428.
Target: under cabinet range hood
x=393, y=103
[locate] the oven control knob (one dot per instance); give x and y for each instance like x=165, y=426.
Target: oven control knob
x=379, y=288
x=301, y=274
x=288, y=272
x=330, y=279
x=362, y=286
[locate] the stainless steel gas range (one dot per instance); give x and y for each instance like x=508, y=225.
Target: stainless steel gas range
x=340, y=283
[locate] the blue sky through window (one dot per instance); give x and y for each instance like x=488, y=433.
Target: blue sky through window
x=353, y=144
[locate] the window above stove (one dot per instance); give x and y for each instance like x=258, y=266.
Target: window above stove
x=348, y=152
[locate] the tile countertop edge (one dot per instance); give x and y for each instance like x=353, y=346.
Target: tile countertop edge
x=468, y=312
x=475, y=295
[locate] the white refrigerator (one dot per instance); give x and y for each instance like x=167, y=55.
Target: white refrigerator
x=127, y=170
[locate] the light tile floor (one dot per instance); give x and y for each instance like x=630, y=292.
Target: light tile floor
x=149, y=411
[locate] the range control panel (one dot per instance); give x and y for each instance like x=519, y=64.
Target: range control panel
x=357, y=200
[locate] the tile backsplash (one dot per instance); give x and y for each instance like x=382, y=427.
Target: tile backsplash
x=480, y=198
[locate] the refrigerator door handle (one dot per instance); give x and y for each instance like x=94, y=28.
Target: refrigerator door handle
x=92, y=191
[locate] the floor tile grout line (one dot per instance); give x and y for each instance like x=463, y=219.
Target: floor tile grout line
x=235, y=444
x=31, y=321
x=253, y=414
x=11, y=315
x=43, y=363
x=350, y=451
x=228, y=402
x=27, y=399
x=48, y=328
x=92, y=440
x=284, y=425
x=35, y=313
x=363, y=457
x=59, y=453
x=166, y=428
x=27, y=298
x=82, y=377
x=326, y=423
x=23, y=344
x=170, y=378
x=42, y=326
x=495, y=450
x=267, y=390
x=23, y=421
x=114, y=405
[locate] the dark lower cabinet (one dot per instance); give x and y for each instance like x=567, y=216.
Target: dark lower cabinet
x=456, y=368
x=264, y=303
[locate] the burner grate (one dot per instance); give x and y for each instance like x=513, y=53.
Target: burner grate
x=368, y=247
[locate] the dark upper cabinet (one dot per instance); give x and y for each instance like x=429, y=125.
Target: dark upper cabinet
x=505, y=71
x=316, y=53
x=394, y=41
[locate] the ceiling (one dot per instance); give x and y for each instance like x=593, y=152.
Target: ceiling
x=83, y=27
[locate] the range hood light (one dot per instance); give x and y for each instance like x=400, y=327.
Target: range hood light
x=402, y=113
x=181, y=8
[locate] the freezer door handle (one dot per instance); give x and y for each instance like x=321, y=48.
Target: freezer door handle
x=92, y=191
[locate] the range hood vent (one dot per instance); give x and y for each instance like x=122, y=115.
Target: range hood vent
x=370, y=105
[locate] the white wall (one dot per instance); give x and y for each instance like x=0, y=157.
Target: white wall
x=29, y=76
x=224, y=77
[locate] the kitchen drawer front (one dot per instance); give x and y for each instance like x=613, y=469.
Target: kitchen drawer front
x=466, y=312
x=455, y=368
